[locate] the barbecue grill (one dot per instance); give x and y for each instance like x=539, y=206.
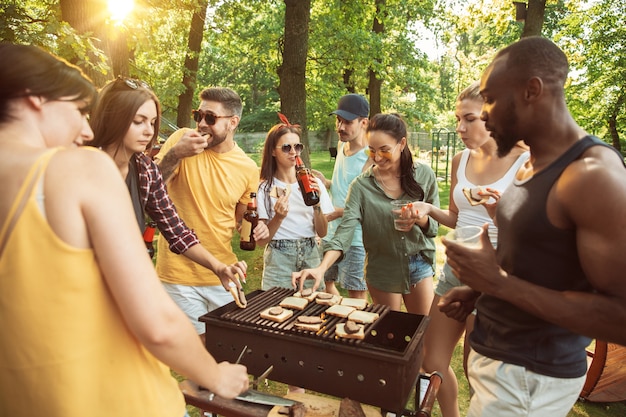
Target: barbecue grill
x=379, y=370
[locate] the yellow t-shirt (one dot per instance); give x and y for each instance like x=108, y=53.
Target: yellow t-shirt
x=205, y=189
x=66, y=350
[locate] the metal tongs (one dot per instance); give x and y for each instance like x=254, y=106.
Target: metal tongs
x=254, y=396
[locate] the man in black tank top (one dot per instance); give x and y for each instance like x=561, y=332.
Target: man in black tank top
x=556, y=279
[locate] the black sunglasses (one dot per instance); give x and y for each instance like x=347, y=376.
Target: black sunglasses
x=134, y=83
x=209, y=118
x=286, y=148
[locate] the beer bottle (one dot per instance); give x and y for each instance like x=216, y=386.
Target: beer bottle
x=148, y=238
x=248, y=223
x=305, y=178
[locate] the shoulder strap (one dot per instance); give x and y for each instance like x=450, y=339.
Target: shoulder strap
x=33, y=177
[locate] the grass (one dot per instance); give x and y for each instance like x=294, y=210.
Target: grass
x=254, y=259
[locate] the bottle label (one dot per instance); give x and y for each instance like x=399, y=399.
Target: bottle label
x=246, y=230
x=305, y=181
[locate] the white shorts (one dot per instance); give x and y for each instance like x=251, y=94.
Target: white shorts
x=505, y=390
x=197, y=301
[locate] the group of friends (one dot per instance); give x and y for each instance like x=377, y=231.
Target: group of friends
x=91, y=324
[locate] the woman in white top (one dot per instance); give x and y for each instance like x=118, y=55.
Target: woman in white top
x=294, y=227
x=478, y=166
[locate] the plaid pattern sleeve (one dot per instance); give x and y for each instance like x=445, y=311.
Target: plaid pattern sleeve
x=160, y=208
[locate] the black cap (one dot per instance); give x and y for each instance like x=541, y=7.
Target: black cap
x=352, y=106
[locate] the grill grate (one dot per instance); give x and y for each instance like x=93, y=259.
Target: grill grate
x=380, y=370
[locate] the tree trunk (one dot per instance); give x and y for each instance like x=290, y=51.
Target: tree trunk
x=190, y=71
x=292, y=71
x=612, y=121
x=88, y=17
x=535, y=15
x=375, y=83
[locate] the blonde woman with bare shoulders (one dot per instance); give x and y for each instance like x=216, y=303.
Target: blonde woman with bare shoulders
x=477, y=168
x=87, y=325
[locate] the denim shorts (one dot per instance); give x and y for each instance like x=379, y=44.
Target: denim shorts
x=284, y=256
x=349, y=272
x=419, y=269
x=446, y=281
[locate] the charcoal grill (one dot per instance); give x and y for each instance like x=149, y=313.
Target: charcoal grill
x=380, y=370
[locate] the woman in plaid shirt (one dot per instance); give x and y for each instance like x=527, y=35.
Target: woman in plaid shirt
x=125, y=121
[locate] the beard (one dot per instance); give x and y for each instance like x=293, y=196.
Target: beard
x=507, y=138
x=216, y=139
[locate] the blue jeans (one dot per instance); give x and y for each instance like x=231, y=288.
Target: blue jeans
x=419, y=269
x=349, y=271
x=284, y=256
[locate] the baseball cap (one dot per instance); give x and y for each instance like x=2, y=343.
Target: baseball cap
x=352, y=106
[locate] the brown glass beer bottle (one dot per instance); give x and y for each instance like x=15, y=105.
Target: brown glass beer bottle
x=305, y=178
x=248, y=223
x=148, y=238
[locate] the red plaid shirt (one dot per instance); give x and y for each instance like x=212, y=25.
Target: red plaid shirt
x=160, y=208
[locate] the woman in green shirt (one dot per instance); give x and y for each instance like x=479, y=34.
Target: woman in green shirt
x=399, y=264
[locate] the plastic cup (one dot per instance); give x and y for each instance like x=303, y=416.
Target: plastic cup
x=466, y=235
x=398, y=222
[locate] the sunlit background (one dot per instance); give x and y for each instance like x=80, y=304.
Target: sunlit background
x=119, y=9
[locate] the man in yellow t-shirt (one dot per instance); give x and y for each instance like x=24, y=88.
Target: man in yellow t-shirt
x=209, y=179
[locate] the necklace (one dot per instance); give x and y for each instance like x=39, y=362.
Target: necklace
x=380, y=177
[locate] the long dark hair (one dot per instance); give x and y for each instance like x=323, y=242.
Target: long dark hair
x=393, y=125
x=29, y=70
x=115, y=110
x=268, y=162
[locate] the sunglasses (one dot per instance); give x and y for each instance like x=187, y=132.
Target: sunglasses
x=384, y=153
x=134, y=83
x=286, y=147
x=209, y=118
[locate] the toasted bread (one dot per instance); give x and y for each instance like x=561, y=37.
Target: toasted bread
x=278, y=192
x=357, y=303
x=339, y=310
x=311, y=323
x=297, y=303
x=239, y=296
x=306, y=293
x=340, y=330
x=363, y=317
x=327, y=299
x=473, y=196
x=278, y=317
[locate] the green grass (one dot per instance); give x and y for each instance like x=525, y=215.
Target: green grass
x=254, y=259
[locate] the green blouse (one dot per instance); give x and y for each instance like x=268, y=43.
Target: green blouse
x=387, y=249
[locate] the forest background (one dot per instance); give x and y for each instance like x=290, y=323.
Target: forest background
x=299, y=56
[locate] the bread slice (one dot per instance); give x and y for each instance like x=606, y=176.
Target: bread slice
x=339, y=310
x=297, y=303
x=363, y=317
x=473, y=196
x=279, y=318
x=277, y=191
x=341, y=332
x=327, y=299
x=311, y=323
x=307, y=293
x=357, y=303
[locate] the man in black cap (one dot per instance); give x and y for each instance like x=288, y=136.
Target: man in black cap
x=352, y=120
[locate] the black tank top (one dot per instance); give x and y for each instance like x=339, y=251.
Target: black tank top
x=531, y=248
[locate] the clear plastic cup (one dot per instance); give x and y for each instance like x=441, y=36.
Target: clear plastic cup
x=398, y=222
x=466, y=235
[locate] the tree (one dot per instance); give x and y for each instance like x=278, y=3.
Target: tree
x=190, y=69
x=292, y=70
x=534, y=18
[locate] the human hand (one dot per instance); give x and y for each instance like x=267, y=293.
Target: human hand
x=281, y=208
x=491, y=207
x=231, y=380
x=261, y=231
x=298, y=278
x=458, y=303
x=232, y=273
x=319, y=175
x=476, y=266
x=190, y=144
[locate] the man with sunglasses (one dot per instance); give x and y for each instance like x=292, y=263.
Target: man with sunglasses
x=351, y=124
x=209, y=179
